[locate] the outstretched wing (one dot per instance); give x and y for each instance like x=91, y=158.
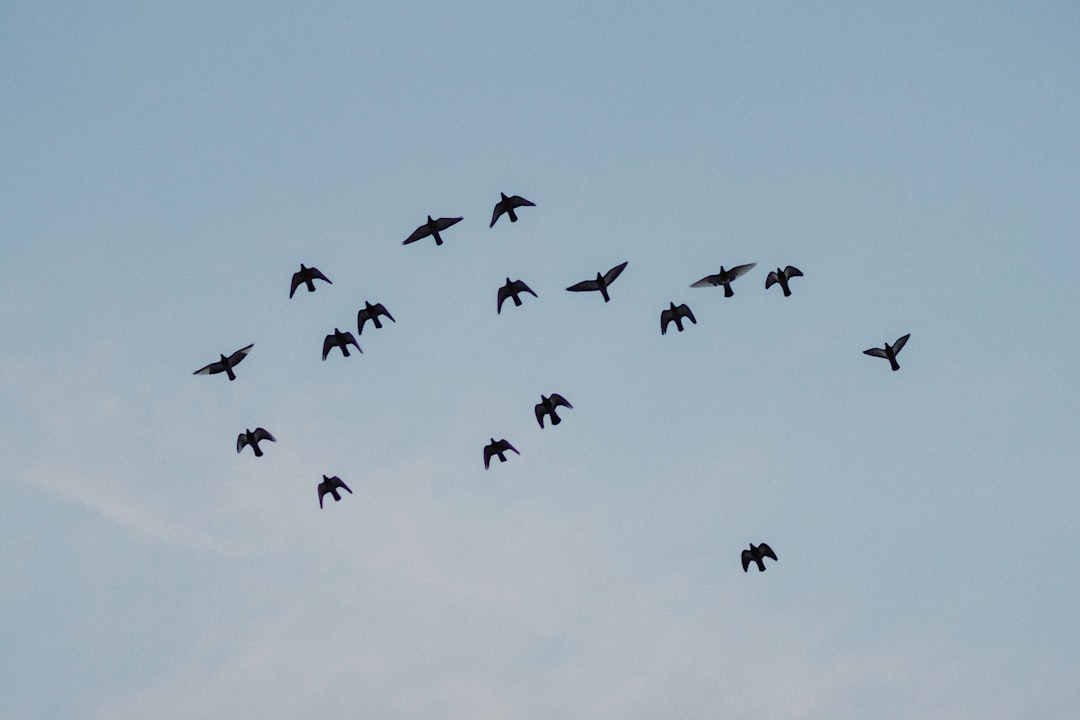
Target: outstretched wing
x=297, y=279
x=380, y=309
x=610, y=275
x=558, y=400
x=327, y=345
x=766, y=551
x=876, y=352
x=792, y=271
x=685, y=311
x=666, y=316
x=747, y=558
x=739, y=270
x=772, y=279
x=443, y=223
x=539, y=411
x=900, y=342
x=241, y=441
x=504, y=292
x=519, y=286
x=261, y=434
x=504, y=445
x=584, y=286
x=339, y=483
x=489, y=450
x=350, y=339
x=421, y=232
x=707, y=281
x=211, y=369
x=240, y=354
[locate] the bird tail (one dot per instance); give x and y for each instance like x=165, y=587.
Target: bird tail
x=230, y=373
x=258, y=452
x=728, y=292
x=512, y=215
x=787, y=291
x=895, y=365
x=555, y=419
x=517, y=300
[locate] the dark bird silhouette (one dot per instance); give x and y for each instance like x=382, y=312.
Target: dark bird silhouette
x=372, y=313
x=507, y=205
x=675, y=314
x=511, y=290
x=782, y=277
x=757, y=553
x=889, y=352
x=499, y=448
x=306, y=276
x=724, y=277
x=339, y=339
x=226, y=364
x=331, y=485
x=547, y=406
x=252, y=438
x=600, y=283
x=433, y=228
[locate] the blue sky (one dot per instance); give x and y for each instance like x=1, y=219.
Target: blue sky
x=166, y=170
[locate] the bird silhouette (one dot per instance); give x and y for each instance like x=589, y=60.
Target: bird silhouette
x=226, y=364
x=341, y=340
x=600, y=283
x=507, y=205
x=547, y=406
x=433, y=228
x=330, y=485
x=306, y=276
x=499, y=448
x=252, y=438
x=782, y=277
x=757, y=553
x=372, y=313
x=511, y=290
x=724, y=277
x=889, y=352
x=675, y=314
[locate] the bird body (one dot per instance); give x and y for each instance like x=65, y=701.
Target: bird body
x=252, y=438
x=226, y=364
x=511, y=290
x=497, y=448
x=432, y=227
x=889, y=352
x=782, y=277
x=341, y=340
x=331, y=485
x=372, y=313
x=724, y=277
x=507, y=205
x=675, y=314
x=601, y=282
x=757, y=554
x=306, y=276
x=548, y=405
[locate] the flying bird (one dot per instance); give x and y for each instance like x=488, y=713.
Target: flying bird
x=499, y=448
x=889, y=352
x=507, y=205
x=757, y=553
x=252, y=438
x=331, y=485
x=782, y=277
x=339, y=339
x=511, y=290
x=306, y=276
x=547, y=406
x=372, y=313
x=600, y=283
x=226, y=364
x=724, y=277
x=675, y=314
x=432, y=227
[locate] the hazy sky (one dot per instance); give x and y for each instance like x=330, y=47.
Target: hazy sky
x=164, y=169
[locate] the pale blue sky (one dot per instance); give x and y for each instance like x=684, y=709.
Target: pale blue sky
x=166, y=170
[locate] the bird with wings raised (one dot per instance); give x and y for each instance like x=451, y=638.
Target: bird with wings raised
x=511, y=290
x=306, y=276
x=338, y=339
x=226, y=364
x=372, y=313
x=724, y=277
x=497, y=448
x=432, y=227
x=889, y=352
x=781, y=278
x=252, y=438
x=757, y=554
x=331, y=485
x=675, y=314
x=601, y=282
x=507, y=205
x=547, y=406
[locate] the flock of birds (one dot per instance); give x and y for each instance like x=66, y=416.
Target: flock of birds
x=512, y=289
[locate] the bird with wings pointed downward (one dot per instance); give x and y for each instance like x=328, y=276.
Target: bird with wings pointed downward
x=331, y=485
x=252, y=438
x=548, y=405
x=432, y=227
x=724, y=277
x=757, y=554
x=889, y=352
x=781, y=278
x=497, y=448
x=511, y=290
x=372, y=313
x=338, y=339
x=600, y=284
x=226, y=364
x=306, y=276
x=507, y=205
x=675, y=314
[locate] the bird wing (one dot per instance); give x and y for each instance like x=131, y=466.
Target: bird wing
x=504, y=292
x=518, y=201
x=489, y=450
x=771, y=280
x=338, y=482
x=499, y=210
x=350, y=338
x=421, y=232
x=707, y=281
x=297, y=279
x=558, y=400
x=876, y=352
x=211, y=369
x=610, y=275
x=240, y=354
x=328, y=345
x=765, y=551
x=241, y=441
x=508, y=446
x=899, y=344
x=747, y=558
x=584, y=285
x=261, y=434
x=380, y=309
x=792, y=271
x=539, y=411
x=685, y=311
x=666, y=316
x=519, y=286
x=443, y=223
x=740, y=270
